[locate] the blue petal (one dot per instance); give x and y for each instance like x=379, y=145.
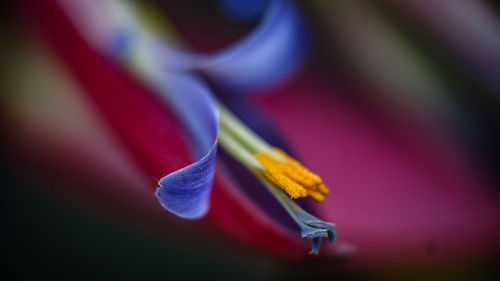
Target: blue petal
x=194, y=103
x=186, y=192
x=267, y=55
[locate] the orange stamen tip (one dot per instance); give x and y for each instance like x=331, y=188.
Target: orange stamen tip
x=323, y=189
x=289, y=175
x=318, y=197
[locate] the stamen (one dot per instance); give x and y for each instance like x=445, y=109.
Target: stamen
x=274, y=173
x=298, y=172
x=289, y=175
x=323, y=189
x=277, y=170
x=318, y=197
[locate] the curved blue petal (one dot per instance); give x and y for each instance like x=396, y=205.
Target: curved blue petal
x=267, y=55
x=186, y=192
x=194, y=103
x=270, y=53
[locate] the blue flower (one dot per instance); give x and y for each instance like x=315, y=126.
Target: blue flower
x=267, y=55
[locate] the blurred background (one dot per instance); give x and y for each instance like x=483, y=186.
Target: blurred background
x=396, y=106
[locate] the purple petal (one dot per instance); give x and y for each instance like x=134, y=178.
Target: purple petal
x=267, y=55
x=186, y=192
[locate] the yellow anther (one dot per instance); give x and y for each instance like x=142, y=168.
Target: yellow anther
x=289, y=175
x=275, y=175
x=323, y=189
x=293, y=189
x=298, y=172
x=318, y=197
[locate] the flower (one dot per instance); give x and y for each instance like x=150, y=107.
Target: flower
x=114, y=30
x=400, y=188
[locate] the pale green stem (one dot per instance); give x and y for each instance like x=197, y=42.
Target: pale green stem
x=238, y=151
x=241, y=132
